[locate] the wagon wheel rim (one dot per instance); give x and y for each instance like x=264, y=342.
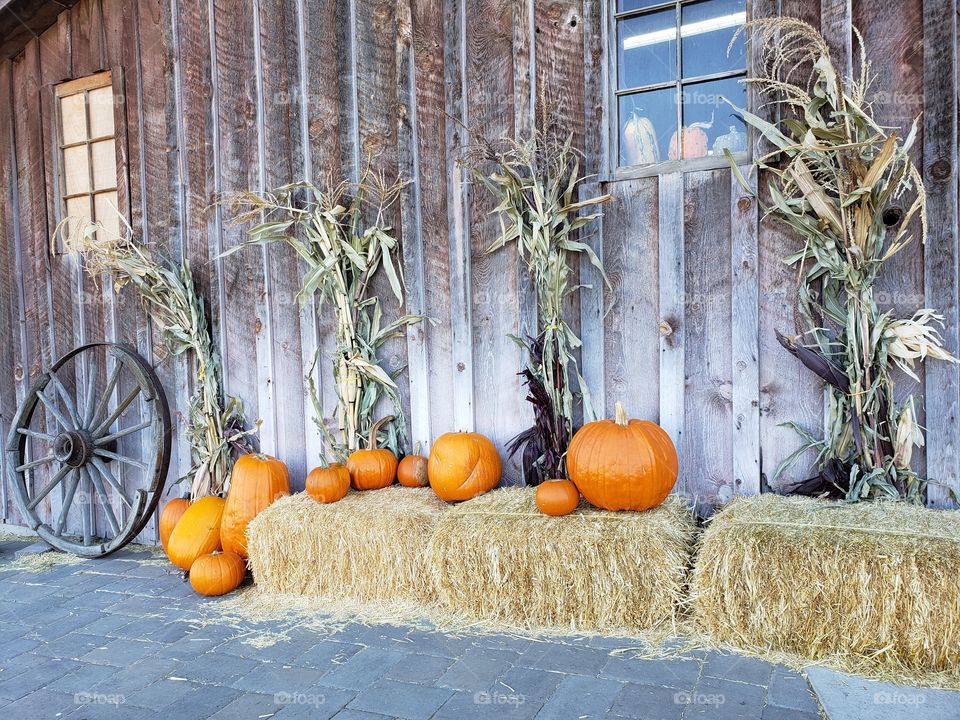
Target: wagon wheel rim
x=78, y=454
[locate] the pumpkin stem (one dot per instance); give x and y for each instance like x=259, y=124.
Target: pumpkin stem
x=620, y=418
x=372, y=442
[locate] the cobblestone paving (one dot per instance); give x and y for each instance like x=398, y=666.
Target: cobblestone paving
x=118, y=638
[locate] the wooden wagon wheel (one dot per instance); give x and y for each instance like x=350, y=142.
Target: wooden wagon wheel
x=98, y=414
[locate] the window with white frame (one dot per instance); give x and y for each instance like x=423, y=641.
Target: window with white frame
x=88, y=154
x=672, y=74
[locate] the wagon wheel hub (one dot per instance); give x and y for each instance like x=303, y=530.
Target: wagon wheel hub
x=73, y=447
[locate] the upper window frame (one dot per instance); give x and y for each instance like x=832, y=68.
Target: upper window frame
x=613, y=171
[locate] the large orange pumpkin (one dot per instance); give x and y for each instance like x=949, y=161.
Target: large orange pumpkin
x=412, y=471
x=197, y=533
x=557, y=497
x=257, y=481
x=329, y=483
x=622, y=464
x=463, y=465
x=172, y=512
x=217, y=573
x=373, y=468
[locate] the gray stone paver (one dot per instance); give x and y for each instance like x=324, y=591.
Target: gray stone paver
x=80, y=632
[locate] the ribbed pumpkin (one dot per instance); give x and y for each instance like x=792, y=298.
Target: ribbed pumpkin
x=557, y=497
x=217, y=573
x=328, y=484
x=695, y=143
x=197, y=533
x=373, y=468
x=257, y=481
x=622, y=464
x=172, y=512
x=463, y=465
x=412, y=471
x=639, y=142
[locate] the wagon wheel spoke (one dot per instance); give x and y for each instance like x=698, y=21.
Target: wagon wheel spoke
x=117, y=412
x=107, y=439
x=121, y=458
x=67, y=501
x=55, y=411
x=67, y=400
x=36, y=434
x=101, y=407
x=36, y=463
x=101, y=467
x=94, y=479
x=91, y=391
x=54, y=481
x=85, y=507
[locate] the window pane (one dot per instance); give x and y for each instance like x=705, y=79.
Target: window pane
x=78, y=212
x=647, y=121
x=73, y=119
x=76, y=173
x=710, y=124
x=628, y=5
x=647, y=49
x=705, y=32
x=104, y=165
x=101, y=112
x=105, y=209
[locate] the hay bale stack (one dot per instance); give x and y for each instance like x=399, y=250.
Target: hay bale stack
x=368, y=546
x=871, y=587
x=498, y=557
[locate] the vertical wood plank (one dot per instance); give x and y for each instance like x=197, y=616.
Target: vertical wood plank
x=836, y=17
x=745, y=318
x=672, y=323
x=941, y=258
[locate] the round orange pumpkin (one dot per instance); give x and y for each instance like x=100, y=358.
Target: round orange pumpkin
x=463, y=465
x=373, y=468
x=197, y=533
x=557, y=497
x=623, y=464
x=257, y=481
x=172, y=512
x=693, y=143
x=412, y=471
x=329, y=483
x=217, y=573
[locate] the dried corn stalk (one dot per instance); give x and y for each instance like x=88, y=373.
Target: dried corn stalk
x=342, y=252
x=214, y=430
x=535, y=182
x=833, y=172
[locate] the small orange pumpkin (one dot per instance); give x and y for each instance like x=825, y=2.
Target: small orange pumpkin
x=623, y=464
x=197, y=533
x=257, y=481
x=217, y=573
x=412, y=471
x=694, y=143
x=328, y=483
x=557, y=497
x=172, y=512
x=373, y=468
x=463, y=465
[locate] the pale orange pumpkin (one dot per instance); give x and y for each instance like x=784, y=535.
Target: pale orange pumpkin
x=257, y=480
x=373, y=468
x=557, y=497
x=463, y=465
x=412, y=471
x=197, y=533
x=328, y=484
x=623, y=464
x=217, y=573
x=694, y=145
x=172, y=512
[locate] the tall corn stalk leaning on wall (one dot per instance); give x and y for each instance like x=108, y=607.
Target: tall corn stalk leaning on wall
x=833, y=173
x=342, y=253
x=535, y=183
x=214, y=430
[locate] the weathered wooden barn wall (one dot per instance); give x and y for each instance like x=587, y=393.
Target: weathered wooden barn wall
x=223, y=95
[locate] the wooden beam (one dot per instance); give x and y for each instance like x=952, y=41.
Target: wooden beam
x=672, y=309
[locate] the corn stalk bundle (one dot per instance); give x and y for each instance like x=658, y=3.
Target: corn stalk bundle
x=833, y=172
x=343, y=253
x=215, y=430
x=535, y=183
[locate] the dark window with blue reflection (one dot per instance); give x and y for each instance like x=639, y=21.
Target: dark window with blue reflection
x=678, y=71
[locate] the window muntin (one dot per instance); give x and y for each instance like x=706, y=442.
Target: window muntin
x=88, y=155
x=672, y=73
